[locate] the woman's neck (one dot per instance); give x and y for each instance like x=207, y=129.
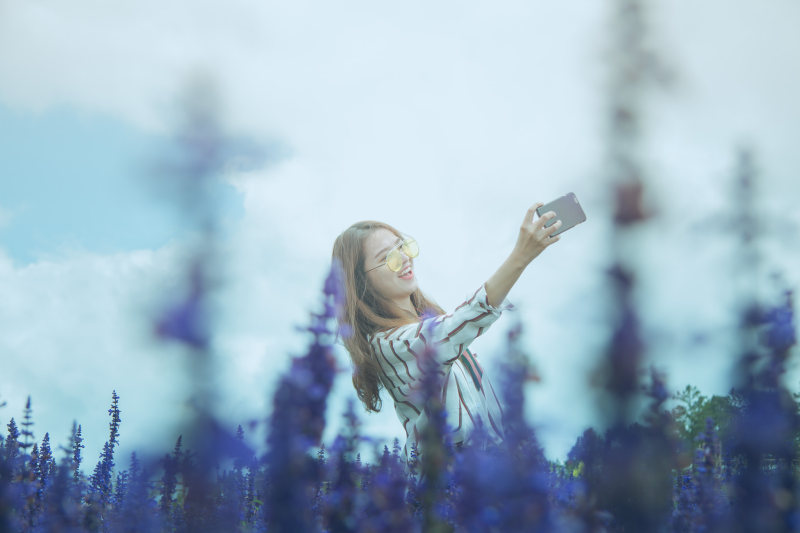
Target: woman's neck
x=405, y=306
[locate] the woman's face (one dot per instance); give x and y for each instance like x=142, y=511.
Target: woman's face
x=385, y=282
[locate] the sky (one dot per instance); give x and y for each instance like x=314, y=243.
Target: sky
x=446, y=120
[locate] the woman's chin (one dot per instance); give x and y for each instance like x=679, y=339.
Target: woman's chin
x=409, y=284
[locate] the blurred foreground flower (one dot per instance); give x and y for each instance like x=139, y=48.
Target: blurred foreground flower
x=298, y=419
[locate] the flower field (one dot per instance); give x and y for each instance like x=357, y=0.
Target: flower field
x=655, y=461
x=709, y=464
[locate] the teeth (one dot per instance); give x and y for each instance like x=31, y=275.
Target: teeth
x=405, y=272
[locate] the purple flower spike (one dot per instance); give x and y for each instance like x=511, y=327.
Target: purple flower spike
x=296, y=425
x=334, y=284
x=780, y=332
x=186, y=321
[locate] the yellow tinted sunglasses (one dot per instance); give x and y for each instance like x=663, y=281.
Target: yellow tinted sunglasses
x=394, y=259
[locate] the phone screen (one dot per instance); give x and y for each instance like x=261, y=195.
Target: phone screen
x=568, y=210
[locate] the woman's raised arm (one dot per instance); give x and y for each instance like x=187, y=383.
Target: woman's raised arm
x=532, y=240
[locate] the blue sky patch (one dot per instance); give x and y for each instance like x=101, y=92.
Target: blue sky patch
x=70, y=179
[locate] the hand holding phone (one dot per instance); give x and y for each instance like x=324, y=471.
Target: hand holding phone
x=567, y=209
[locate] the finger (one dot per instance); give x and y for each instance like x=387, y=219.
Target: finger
x=552, y=239
x=531, y=211
x=545, y=218
x=553, y=227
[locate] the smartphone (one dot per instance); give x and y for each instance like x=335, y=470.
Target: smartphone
x=568, y=210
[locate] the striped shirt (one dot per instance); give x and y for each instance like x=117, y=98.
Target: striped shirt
x=467, y=393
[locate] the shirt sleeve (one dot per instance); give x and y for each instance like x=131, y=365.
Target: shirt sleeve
x=399, y=350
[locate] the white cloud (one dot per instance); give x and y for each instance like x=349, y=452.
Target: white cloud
x=79, y=325
x=69, y=337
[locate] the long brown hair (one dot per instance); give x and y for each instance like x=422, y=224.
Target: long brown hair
x=366, y=312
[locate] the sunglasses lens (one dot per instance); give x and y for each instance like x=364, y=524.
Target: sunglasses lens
x=394, y=260
x=411, y=248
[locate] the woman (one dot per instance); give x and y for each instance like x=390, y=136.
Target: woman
x=383, y=312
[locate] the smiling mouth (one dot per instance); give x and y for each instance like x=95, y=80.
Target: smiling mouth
x=409, y=273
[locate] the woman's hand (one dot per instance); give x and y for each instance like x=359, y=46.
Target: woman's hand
x=533, y=236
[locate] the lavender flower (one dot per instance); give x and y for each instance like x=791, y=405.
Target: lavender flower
x=11, y=448
x=779, y=335
x=27, y=423
x=340, y=513
x=137, y=512
x=187, y=320
x=297, y=422
x=60, y=509
x=710, y=501
x=76, y=445
x=100, y=482
x=506, y=487
x=386, y=508
x=172, y=465
x=434, y=452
